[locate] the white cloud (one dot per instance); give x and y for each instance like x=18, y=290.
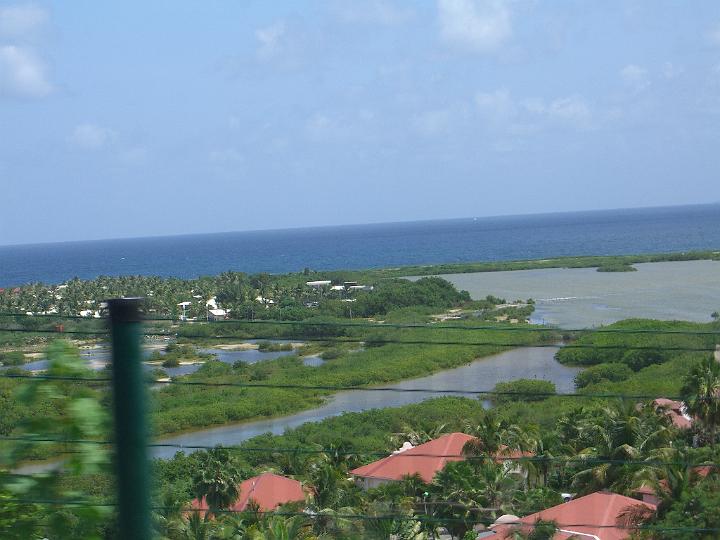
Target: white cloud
x=374, y=12
x=21, y=22
x=91, y=136
x=571, y=109
x=522, y=117
x=671, y=71
x=474, y=25
x=635, y=76
x=22, y=73
x=271, y=39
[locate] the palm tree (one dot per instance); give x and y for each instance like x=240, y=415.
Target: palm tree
x=194, y=528
x=619, y=432
x=216, y=480
x=494, y=435
x=416, y=437
x=281, y=528
x=331, y=487
x=384, y=523
x=670, y=476
x=475, y=492
x=341, y=455
x=701, y=392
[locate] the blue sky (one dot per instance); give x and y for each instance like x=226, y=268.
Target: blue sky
x=167, y=117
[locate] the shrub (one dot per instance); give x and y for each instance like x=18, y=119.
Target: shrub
x=173, y=361
x=614, y=372
x=616, y=267
x=269, y=346
x=523, y=390
x=638, y=359
x=13, y=358
x=331, y=354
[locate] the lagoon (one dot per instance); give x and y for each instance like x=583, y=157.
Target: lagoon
x=584, y=297
x=482, y=374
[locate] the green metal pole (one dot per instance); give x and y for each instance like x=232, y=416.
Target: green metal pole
x=130, y=420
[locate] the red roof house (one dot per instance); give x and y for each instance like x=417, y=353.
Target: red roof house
x=593, y=516
x=425, y=459
x=649, y=495
x=267, y=491
x=675, y=410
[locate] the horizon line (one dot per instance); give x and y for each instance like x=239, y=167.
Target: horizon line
x=348, y=225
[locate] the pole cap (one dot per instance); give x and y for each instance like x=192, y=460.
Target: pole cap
x=124, y=310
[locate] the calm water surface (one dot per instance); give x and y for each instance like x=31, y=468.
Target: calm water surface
x=99, y=358
x=583, y=297
x=526, y=362
x=606, y=232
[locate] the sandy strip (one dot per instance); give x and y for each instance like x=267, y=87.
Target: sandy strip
x=236, y=346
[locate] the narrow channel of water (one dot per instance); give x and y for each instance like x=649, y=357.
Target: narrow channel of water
x=100, y=357
x=483, y=374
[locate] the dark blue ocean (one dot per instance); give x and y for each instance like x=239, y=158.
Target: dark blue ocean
x=607, y=232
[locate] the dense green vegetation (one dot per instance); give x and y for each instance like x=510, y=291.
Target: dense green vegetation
x=616, y=267
x=286, y=296
x=175, y=354
x=637, y=343
x=357, y=353
x=12, y=358
x=557, y=262
x=612, y=372
x=571, y=435
x=523, y=390
x=383, y=360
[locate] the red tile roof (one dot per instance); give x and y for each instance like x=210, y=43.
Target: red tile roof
x=268, y=491
x=426, y=459
x=595, y=514
x=698, y=472
x=674, y=410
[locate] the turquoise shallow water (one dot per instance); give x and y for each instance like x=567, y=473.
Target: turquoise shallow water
x=583, y=297
x=612, y=232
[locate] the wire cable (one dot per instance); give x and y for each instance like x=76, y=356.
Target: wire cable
x=383, y=454
x=375, y=341
x=339, y=388
x=378, y=326
x=422, y=518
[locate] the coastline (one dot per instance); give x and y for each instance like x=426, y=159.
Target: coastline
x=595, y=261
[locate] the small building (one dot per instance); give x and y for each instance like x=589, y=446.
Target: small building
x=266, y=491
x=184, y=306
x=425, y=460
x=675, y=410
x=360, y=288
x=217, y=314
x=596, y=516
x=319, y=284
